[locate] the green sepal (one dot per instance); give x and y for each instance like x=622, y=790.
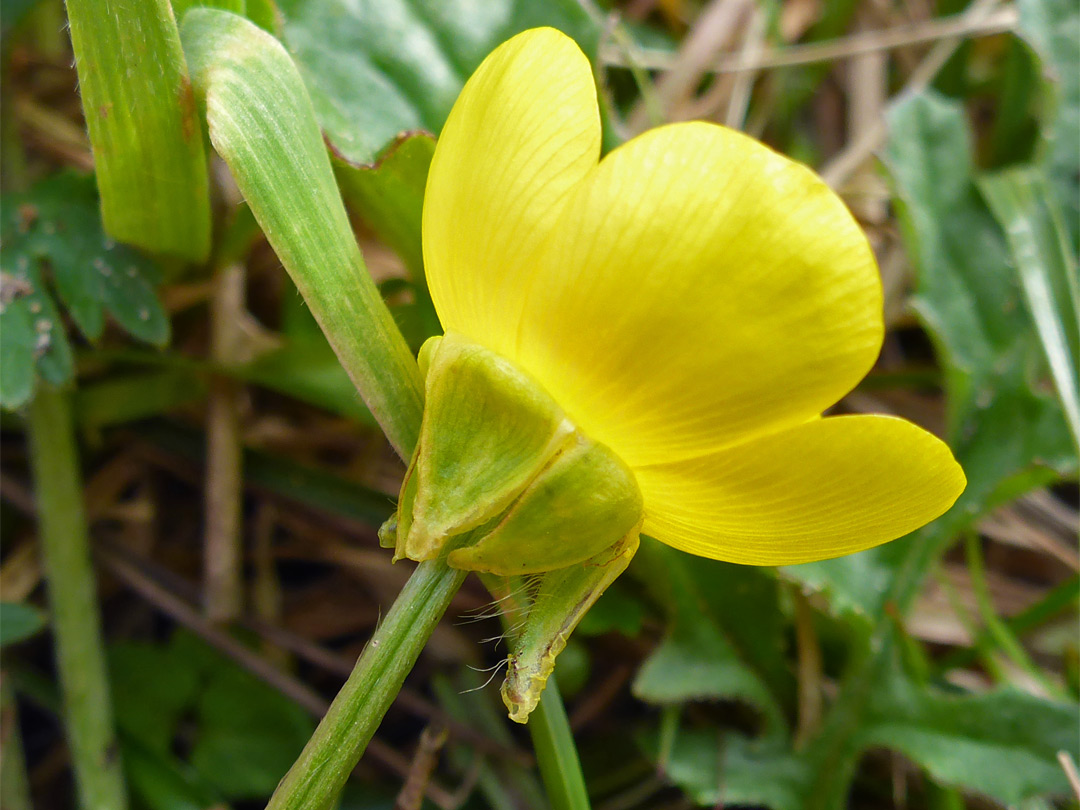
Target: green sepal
x=487, y=431
x=503, y=483
x=582, y=503
x=498, y=458
x=388, y=532
x=562, y=599
x=427, y=351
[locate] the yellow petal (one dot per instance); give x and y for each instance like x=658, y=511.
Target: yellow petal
x=523, y=132
x=700, y=289
x=825, y=488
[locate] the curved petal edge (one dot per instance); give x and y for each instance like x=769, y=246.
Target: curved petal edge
x=823, y=489
x=523, y=133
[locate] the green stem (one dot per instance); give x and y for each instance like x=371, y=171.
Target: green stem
x=833, y=754
x=963, y=615
x=316, y=778
x=556, y=754
x=1054, y=602
x=80, y=656
x=263, y=125
x=999, y=631
x=14, y=783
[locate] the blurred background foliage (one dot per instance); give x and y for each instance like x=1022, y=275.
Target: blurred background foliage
x=938, y=671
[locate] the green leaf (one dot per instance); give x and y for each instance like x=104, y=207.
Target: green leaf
x=263, y=125
x=245, y=733
x=144, y=127
x=162, y=782
x=265, y=14
x=155, y=686
x=389, y=194
x=616, y=610
x=54, y=230
x=130, y=398
x=1050, y=27
x=384, y=73
x=724, y=639
x=91, y=272
x=1008, y=431
x=13, y=12
x=853, y=585
x=1001, y=744
x=728, y=770
x=1021, y=200
x=1021, y=100
x=308, y=370
x=249, y=734
x=378, y=68
x=18, y=348
x=18, y=621
x=37, y=339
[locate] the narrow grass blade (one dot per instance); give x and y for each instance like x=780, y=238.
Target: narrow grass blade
x=1023, y=205
x=144, y=128
x=262, y=123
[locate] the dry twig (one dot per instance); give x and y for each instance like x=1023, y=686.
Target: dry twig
x=223, y=543
x=958, y=26
x=840, y=168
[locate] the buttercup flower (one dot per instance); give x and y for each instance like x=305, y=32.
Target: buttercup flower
x=676, y=315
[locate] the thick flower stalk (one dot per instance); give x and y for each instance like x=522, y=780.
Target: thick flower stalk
x=643, y=343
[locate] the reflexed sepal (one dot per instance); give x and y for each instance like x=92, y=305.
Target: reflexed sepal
x=499, y=456
x=563, y=597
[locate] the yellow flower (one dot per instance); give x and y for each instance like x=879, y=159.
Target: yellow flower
x=693, y=301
